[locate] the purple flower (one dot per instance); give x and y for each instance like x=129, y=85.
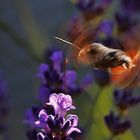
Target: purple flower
x=116, y=125
x=125, y=99
x=106, y=27
x=57, y=59
x=42, y=69
x=85, y=4
x=124, y=21
x=91, y=8
x=53, y=123
x=54, y=127
x=31, y=116
x=55, y=80
x=87, y=80
x=61, y=103
x=44, y=94
x=131, y=6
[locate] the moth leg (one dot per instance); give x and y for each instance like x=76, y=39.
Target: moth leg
x=109, y=70
x=124, y=65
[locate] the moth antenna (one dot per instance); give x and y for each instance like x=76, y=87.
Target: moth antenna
x=65, y=41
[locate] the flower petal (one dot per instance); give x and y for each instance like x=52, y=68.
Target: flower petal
x=42, y=69
x=53, y=101
x=40, y=136
x=73, y=119
x=73, y=129
x=57, y=58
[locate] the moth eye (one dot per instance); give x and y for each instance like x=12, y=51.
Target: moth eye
x=111, y=54
x=93, y=51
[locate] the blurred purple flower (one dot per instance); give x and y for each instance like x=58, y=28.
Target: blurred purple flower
x=57, y=59
x=131, y=6
x=31, y=115
x=125, y=99
x=111, y=42
x=85, y=4
x=116, y=125
x=124, y=21
x=42, y=69
x=92, y=8
x=70, y=78
x=43, y=94
x=55, y=80
x=106, y=27
x=87, y=80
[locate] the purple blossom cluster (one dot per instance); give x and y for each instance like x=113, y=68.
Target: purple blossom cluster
x=49, y=120
x=116, y=124
x=124, y=99
x=55, y=124
x=91, y=8
x=55, y=79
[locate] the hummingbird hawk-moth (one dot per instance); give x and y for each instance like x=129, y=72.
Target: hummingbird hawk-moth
x=123, y=65
x=101, y=57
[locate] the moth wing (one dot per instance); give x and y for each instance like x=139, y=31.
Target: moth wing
x=131, y=44
x=80, y=35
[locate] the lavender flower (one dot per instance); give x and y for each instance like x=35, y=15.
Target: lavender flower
x=131, y=6
x=125, y=99
x=55, y=80
x=31, y=116
x=91, y=8
x=57, y=125
x=84, y=4
x=124, y=21
x=116, y=124
x=107, y=27
x=61, y=103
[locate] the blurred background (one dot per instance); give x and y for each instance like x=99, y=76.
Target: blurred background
x=26, y=29
x=26, y=22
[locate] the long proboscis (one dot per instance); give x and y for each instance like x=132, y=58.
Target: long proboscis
x=67, y=42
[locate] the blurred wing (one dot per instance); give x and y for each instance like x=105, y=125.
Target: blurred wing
x=80, y=34
x=131, y=43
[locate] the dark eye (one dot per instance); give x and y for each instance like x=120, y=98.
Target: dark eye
x=92, y=51
x=112, y=54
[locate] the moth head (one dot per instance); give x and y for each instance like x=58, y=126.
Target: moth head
x=83, y=55
x=126, y=62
